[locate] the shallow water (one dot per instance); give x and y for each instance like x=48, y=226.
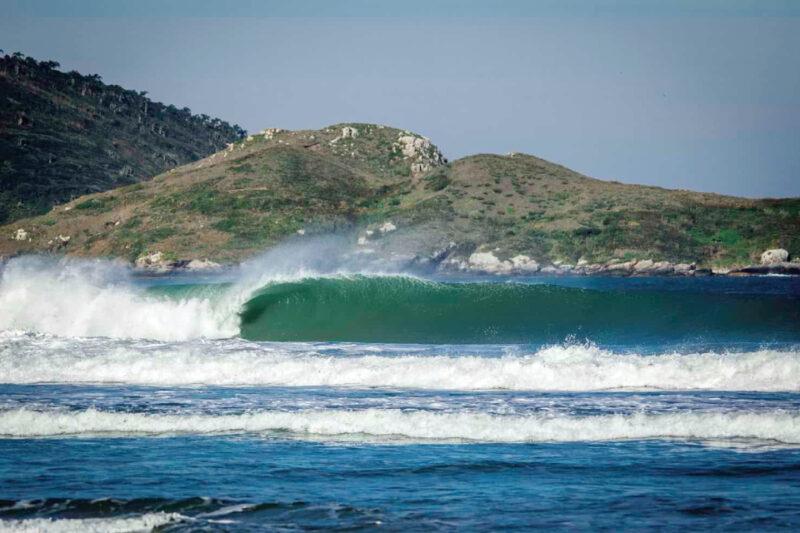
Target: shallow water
x=395, y=402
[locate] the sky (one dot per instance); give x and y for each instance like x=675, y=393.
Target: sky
x=700, y=95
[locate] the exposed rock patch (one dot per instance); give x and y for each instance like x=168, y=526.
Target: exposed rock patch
x=774, y=256
x=423, y=154
x=487, y=262
x=387, y=227
x=270, y=133
x=157, y=263
x=202, y=264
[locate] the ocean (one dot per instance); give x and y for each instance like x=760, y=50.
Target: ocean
x=299, y=392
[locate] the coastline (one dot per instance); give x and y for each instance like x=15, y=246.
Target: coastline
x=452, y=259
x=622, y=269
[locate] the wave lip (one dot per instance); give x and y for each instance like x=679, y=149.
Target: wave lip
x=402, y=309
x=79, y=298
x=412, y=426
x=26, y=359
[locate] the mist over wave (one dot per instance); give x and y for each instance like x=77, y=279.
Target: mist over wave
x=26, y=359
x=80, y=298
x=321, y=289
x=73, y=297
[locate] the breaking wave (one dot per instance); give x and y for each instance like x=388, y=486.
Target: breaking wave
x=72, y=298
x=26, y=359
x=407, y=309
x=145, y=522
x=415, y=426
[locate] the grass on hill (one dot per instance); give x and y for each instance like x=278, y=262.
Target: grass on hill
x=267, y=187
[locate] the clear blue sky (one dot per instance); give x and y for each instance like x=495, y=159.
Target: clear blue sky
x=702, y=95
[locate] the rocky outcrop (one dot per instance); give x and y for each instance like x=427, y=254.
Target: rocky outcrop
x=201, y=265
x=784, y=268
x=774, y=256
x=623, y=268
x=486, y=262
x=387, y=227
x=157, y=263
x=270, y=133
x=424, y=156
x=524, y=264
x=489, y=263
x=348, y=132
x=59, y=243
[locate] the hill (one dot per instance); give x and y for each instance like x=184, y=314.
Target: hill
x=63, y=134
x=399, y=195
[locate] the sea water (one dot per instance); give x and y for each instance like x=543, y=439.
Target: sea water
x=356, y=398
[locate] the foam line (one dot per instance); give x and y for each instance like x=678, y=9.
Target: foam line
x=414, y=426
x=145, y=522
x=26, y=359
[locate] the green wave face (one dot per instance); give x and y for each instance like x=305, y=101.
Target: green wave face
x=408, y=310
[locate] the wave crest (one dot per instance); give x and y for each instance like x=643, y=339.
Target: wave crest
x=72, y=298
x=145, y=522
x=26, y=359
x=78, y=298
x=416, y=426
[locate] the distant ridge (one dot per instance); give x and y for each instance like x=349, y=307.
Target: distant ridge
x=397, y=196
x=64, y=134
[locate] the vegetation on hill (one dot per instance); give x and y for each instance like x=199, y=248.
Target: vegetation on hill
x=361, y=176
x=64, y=134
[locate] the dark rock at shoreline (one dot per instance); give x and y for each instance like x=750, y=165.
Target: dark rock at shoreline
x=785, y=268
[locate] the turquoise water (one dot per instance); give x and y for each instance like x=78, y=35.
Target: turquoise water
x=366, y=401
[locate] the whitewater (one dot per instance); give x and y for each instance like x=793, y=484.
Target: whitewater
x=302, y=388
x=35, y=358
x=396, y=425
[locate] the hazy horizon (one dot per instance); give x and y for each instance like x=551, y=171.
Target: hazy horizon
x=704, y=98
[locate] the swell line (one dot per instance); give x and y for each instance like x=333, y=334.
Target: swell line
x=393, y=425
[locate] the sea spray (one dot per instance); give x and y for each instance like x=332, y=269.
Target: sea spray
x=88, y=298
x=311, y=292
x=76, y=297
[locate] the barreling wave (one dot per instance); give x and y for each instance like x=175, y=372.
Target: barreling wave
x=407, y=309
x=97, y=299
x=27, y=359
x=394, y=425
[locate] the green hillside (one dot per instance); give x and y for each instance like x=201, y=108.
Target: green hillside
x=63, y=134
x=359, y=177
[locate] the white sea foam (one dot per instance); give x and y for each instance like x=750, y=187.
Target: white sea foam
x=79, y=298
x=44, y=359
x=73, y=297
x=145, y=522
x=395, y=425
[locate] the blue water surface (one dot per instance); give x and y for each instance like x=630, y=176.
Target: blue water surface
x=298, y=485
x=240, y=481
